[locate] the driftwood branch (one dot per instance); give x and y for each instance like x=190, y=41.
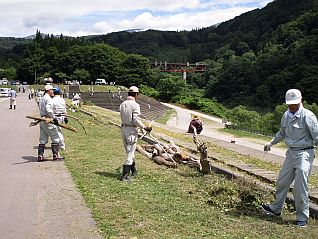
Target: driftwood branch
x=72, y=117
x=158, y=159
x=50, y=121
x=205, y=164
x=170, y=158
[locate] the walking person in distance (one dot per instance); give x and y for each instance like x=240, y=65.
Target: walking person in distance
x=13, y=99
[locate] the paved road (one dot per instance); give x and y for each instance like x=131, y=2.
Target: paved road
x=182, y=120
x=37, y=200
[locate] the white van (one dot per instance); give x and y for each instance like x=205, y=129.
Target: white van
x=100, y=82
x=4, y=92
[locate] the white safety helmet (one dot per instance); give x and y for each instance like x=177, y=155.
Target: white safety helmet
x=133, y=89
x=293, y=97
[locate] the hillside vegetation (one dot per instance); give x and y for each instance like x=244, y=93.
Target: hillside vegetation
x=252, y=60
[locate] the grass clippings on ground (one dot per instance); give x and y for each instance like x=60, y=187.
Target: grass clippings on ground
x=164, y=202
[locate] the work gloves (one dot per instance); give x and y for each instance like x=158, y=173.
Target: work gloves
x=55, y=121
x=267, y=147
x=148, y=129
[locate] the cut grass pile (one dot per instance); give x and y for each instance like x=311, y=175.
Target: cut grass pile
x=164, y=202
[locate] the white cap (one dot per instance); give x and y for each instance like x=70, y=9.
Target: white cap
x=48, y=87
x=293, y=97
x=133, y=89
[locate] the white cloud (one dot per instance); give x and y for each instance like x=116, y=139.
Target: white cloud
x=181, y=21
x=83, y=17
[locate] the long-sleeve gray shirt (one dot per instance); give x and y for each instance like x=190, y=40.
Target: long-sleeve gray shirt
x=13, y=94
x=46, y=106
x=59, y=106
x=130, y=112
x=300, y=130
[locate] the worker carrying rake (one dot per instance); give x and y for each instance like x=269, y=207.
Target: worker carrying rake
x=130, y=121
x=49, y=125
x=48, y=129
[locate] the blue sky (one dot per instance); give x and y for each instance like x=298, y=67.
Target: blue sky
x=20, y=18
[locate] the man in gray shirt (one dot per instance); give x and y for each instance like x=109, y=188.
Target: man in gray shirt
x=13, y=98
x=129, y=113
x=299, y=129
x=46, y=129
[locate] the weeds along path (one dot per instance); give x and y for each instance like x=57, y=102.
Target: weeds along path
x=231, y=156
x=245, y=154
x=164, y=202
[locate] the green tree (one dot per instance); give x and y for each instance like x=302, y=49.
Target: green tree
x=245, y=118
x=104, y=62
x=10, y=73
x=61, y=77
x=135, y=70
x=169, y=87
x=82, y=76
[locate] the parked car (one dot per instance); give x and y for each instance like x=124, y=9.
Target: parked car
x=100, y=82
x=4, y=82
x=4, y=92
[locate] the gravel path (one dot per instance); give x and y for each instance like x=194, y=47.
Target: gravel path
x=38, y=200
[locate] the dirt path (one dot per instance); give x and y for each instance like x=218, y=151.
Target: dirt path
x=38, y=200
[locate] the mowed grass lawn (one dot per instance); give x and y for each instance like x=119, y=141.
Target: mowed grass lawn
x=164, y=202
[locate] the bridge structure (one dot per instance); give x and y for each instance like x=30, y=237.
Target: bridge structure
x=179, y=67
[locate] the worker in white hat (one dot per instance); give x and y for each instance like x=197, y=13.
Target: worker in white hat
x=48, y=130
x=299, y=129
x=130, y=120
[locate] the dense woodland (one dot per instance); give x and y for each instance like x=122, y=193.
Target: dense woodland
x=252, y=60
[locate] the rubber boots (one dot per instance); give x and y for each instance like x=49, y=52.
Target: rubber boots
x=125, y=177
x=133, y=169
x=55, y=151
x=41, y=152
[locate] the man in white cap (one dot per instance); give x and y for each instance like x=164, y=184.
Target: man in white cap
x=48, y=130
x=129, y=113
x=299, y=129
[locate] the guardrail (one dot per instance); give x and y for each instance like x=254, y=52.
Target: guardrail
x=249, y=130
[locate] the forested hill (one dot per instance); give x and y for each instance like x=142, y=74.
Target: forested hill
x=249, y=31
x=253, y=59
